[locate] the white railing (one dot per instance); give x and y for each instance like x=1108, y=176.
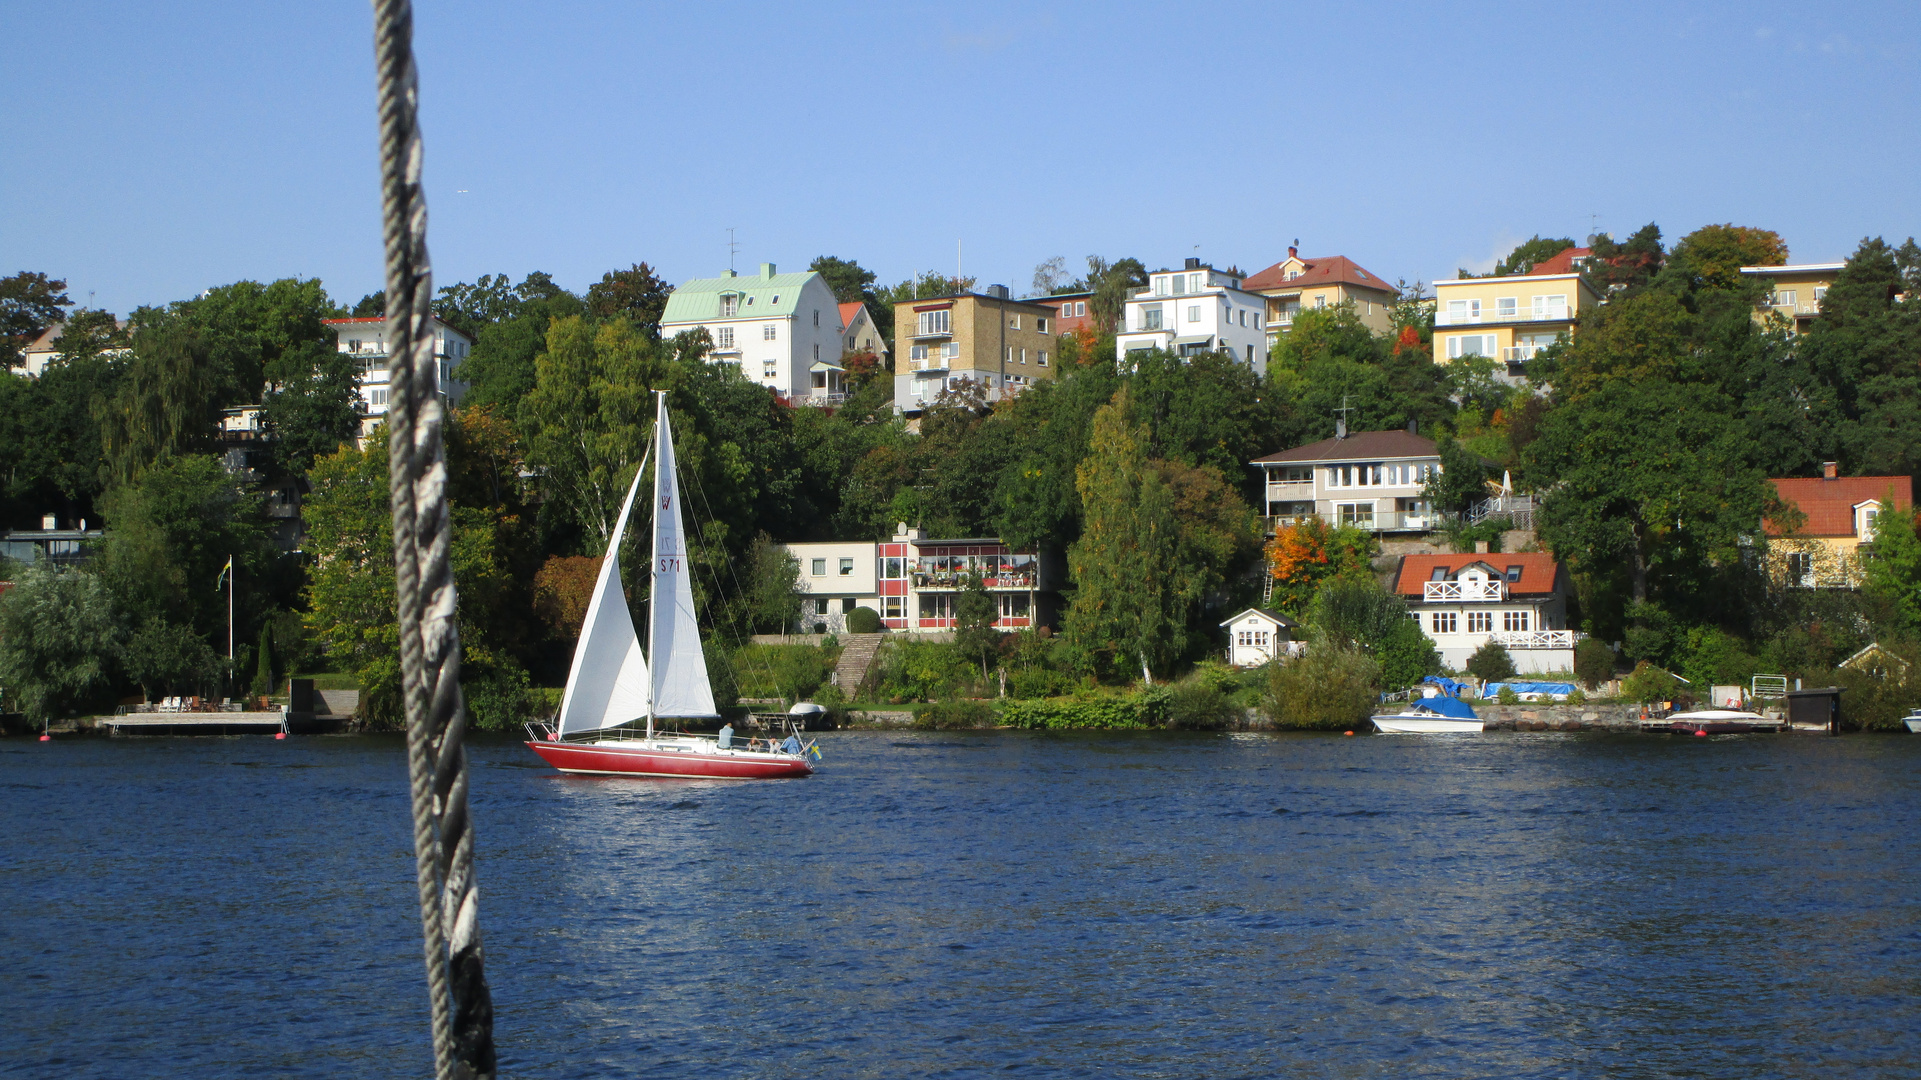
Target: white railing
x=1526, y=314
x=1471, y=591
x=1515, y=354
x=1388, y=521
x=1537, y=639
x=1290, y=491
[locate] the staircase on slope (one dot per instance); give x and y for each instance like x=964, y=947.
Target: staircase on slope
x=856, y=661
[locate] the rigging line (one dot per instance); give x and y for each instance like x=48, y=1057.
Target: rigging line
x=429, y=641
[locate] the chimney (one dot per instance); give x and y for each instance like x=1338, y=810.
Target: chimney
x=1192, y=264
x=999, y=292
x=1829, y=470
x=1414, y=426
x=1480, y=547
x=1293, y=252
x=766, y=271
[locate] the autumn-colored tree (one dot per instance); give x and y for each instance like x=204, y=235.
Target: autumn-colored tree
x=1712, y=256
x=1301, y=556
x=563, y=587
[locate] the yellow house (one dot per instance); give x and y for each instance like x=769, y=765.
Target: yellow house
x=1837, y=521
x=1795, y=292
x=1511, y=318
x=1295, y=284
x=1001, y=345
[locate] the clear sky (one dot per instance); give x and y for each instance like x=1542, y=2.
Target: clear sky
x=153, y=150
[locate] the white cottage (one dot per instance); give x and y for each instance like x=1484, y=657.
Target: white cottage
x=1517, y=601
x=1258, y=635
x=778, y=328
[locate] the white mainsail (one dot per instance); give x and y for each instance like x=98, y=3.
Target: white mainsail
x=607, y=684
x=680, y=686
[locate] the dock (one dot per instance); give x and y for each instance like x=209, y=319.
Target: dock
x=192, y=723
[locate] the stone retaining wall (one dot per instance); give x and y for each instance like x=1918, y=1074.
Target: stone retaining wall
x=1559, y=716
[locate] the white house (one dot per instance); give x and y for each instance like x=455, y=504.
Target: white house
x=1195, y=309
x=912, y=581
x=775, y=327
x=366, y=340
x=859, y=334
x=1367, y=479
x=1258, y=635
x=1518, y=601
x=46, y=349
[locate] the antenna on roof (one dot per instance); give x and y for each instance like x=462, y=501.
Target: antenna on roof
x=1340, y=426
x=732, y=249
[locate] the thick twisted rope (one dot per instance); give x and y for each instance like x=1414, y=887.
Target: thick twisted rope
x=423, y=580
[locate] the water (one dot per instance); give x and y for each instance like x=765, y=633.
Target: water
x=1509, y=905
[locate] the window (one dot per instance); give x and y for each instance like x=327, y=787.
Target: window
x=768, y=331
x=1445, y=622
x=729, y=306
x=1193, y=313
x=1196, y=282
x=1439, y=574
x=1506, y=307
x=1784, y=297
x=1868, y=514
x=1820, y=293
x=937, y=606
x=1480, y=622
x=847, y=568
x=932, y=323
x=1513, y=574
x=1043, y=358
x=768, y=368
x=1080, y=308
x=816, y=318
x=1462, y=311
x=891, y=568
x=917, y=352
x=1013, y=605
x=377, y=395
x=1243, y=316
x=1013, y=322
x=1023, y=356
x=817, y=568
x=1357, y=515
x=1178, y=284
x=1800, y=567
x=1010, y=354
x=1470, y=345
x=776, y=298
x=1067, y=311
x=1040, y=323
x=1550, y=307
x=951, y=350
x=723, y=337
x=1150, y=317
x=816, y=351
x=1250, y=354
x=1514, y=621
x=1320, y=300
x=891, y=608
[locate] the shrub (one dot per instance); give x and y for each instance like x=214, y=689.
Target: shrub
x=499, y=701
x=1351, y=612
x=1149, y=708
x=1575, y=697
x=1328, y=689
x=789, y=672
x=1648, y=684
x=1507, y=696
x=1593, y=662
x=1406, y=656
x=959, y=715
x=1197, y=704
x=923, y=671
x=1491, y=663
x=1035, y=682
x=863, y=620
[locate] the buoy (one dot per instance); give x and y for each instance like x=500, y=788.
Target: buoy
x=1701, y=732
x=46, y=738
x=1347, y=733
x=279, y=734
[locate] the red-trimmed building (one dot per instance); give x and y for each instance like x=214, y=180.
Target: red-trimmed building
x=1836, y=522
x=913, y=581
x=1518, y=601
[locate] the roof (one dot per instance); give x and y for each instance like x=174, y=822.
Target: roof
x=381, y=321
x=1360, y=445
x=1562, y=263
x=1274, y=617
x=1039, y=303
x=762, y=295
x=1330, y=270
x=1795, y=268
x=1829, y=504
x=46, y=341
x=1538, y=570
x=847, y=313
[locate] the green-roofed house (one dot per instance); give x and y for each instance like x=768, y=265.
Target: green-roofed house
x=783, y=330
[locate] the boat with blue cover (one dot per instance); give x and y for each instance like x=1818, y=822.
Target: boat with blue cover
x=1441, y=712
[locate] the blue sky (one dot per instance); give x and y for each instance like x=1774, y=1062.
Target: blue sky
x=155, y=150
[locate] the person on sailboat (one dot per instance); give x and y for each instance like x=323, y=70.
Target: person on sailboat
x=727, y=735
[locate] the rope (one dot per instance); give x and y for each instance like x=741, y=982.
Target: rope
x=423, y=582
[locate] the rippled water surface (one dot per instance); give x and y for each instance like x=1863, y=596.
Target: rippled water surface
x=1508, y=905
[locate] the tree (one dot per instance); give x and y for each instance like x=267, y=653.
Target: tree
x=263, y=662
x=1124, y=612
x=244, y=328
x=1712, y=256
x=1593, y=662
x=166, y=404
x=171, y=530
x=636, y=294
x=1110, y=284
x=88, y=333
x=1462, y=481
x=975, y=611
x=563, y=588
x=1629, y=264
x=1050, y=276
x=1893, y=571
x=370, y=306
x=850, y=281
x=59, y=635
x=1491, y=663
x=499, y=369
x=1407, y=656
x=1863, y=355
x=30, y=302
x=314, y=405
x=164, y=656
x=1303, y=555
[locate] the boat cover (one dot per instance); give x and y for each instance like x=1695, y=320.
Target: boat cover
x=1558, y=690
x=1446, y=685
x=1447, y=706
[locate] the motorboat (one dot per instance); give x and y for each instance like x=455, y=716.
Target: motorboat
x=1437, y=715
x=1913, y=721
x=617, y=696
x=1719, y=722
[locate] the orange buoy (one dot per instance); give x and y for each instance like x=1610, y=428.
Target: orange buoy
x=46, y=738
x=1701, y=732
x=279, y=735
x=1347, y=733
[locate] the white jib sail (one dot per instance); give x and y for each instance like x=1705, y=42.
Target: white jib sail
x=680, y=681
x=607, y=684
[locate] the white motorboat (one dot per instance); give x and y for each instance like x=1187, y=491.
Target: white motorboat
x=1913, y=720
x=1430, y=716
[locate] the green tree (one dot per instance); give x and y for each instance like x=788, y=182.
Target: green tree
x=30, y=302
x=1628, y=264
x=166, y=403
x=975, y=610
x=1893, y=570
x=164, y=657
x=1491, y=663
x=851, y=282
x=636, y=294
x=1327, y=690
x=1864, y=352
x=244, y=328
x=263, y=682
x=88, y=333
x=314, y=405
x=1712, y=256
x=59, y=636
x=499, y=369
x=170, y=532
x=1462, y=481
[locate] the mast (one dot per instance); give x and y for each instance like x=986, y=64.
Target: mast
x=653, y=594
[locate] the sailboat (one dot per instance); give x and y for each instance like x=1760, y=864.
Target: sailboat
x=612, y=685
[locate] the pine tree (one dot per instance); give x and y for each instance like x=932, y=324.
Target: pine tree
x=263, y=670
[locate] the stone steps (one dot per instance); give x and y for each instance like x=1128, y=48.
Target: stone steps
x=857, y=654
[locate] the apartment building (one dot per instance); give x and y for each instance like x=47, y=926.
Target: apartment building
x=1794, y=292
x=1193, y=310
x=1511, y=318
x=1000, y=344
x=1295, y=284
x=774, y=327
x=1073, y=311
x=365, y=339
x=1517, y=601
x=1371, y=480
x=913, y=581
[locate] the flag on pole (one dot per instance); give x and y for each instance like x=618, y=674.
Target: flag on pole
x=224, y=571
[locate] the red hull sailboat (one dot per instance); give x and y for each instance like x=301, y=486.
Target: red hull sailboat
x=612, y=686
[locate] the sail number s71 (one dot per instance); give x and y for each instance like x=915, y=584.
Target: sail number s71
x=669, y=564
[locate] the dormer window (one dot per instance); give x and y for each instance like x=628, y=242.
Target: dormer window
x=1866, y=528
x=1439, y=574
x=1513, y=574
x=729, y=306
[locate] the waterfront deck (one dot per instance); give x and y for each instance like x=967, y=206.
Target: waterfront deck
x=192, y=723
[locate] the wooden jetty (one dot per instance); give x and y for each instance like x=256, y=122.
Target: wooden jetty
x=193, y=723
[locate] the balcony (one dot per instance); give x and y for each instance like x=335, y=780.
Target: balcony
x=1290, y=491
x=931, y=363
x=1520, y=354
x=1523, y=315
x=1386, y=521
x=1794, y=311
x=1536, y=639
x=1434, y=592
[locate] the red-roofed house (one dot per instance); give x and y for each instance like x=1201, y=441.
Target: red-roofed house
x=858, y=333
x=1838, y=513
x=1295, y=283
x=1518, y=601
